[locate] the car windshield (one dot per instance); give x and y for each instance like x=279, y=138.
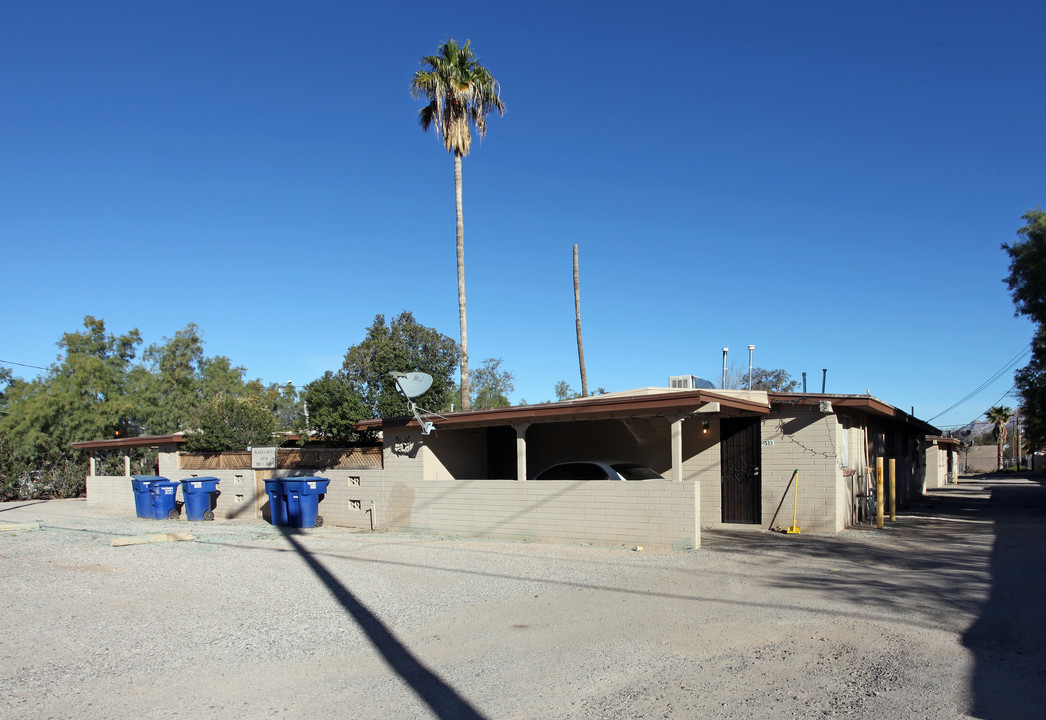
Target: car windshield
x=635, y=471
x=573, y=471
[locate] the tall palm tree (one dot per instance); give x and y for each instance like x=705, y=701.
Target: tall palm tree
x=461, y=93
x=998, y=416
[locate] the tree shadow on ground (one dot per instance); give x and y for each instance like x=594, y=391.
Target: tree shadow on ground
x=442, y=699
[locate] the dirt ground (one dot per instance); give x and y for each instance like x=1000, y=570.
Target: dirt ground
x=937, y=616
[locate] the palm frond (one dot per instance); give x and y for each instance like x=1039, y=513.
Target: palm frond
x=461, y=93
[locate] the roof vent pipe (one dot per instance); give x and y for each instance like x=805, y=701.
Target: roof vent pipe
x=723, y=386
x=824, y=379
x=751, y=350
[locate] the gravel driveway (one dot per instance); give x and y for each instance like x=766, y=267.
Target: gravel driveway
x=938, y=616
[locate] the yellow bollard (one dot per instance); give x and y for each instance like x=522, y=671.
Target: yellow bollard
x=893, y=490
x=794, y=529
x=879, y=522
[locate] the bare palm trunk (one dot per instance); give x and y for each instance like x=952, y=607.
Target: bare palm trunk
x=465, y=390
x=577, y=313
x=1002, y=441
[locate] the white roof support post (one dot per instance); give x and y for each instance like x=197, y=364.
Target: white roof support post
x=521, y=450
x=127, y=465
x=677, y=447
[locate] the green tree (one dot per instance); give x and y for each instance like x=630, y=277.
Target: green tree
x=81, y=397
x=1027, y=278
x=492, y=385
x=334, y=408
x=565, y=392
x=460, y=93
x=403, y=345
x=772, y=380
x=232, y=423
x=998, y=416
x=1031, y=384
x=1027, y=284
x=176, y=380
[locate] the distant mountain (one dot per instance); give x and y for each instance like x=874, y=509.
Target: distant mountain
x=972, y=430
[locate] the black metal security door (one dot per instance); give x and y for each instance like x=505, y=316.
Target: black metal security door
x=740, y=457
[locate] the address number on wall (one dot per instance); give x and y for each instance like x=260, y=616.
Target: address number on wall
x=767, y=443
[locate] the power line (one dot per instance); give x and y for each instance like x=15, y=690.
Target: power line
x=11, y=362
x=984, y=385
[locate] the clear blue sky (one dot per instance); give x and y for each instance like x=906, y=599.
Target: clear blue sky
x=828, y=181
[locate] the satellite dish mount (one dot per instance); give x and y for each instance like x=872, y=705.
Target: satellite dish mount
x=412, y=385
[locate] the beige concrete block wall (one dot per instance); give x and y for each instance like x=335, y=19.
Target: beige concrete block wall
x=803, y=441
x=936, y=467
x=168, y=461
x=655, y=514
x=981, y=459
x=113, y=493
x=353, y=497
x=457, y=453
x=237, y=498
x=702, y=462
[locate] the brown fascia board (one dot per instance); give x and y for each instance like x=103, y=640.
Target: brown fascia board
x=142, y=441
x=869, y=403
x=944, y=440
x=589, y=408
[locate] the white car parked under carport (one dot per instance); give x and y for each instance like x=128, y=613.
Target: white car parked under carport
x=596, y=470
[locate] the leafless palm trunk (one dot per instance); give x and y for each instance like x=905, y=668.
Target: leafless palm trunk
x=577, y=313
x=465, y=390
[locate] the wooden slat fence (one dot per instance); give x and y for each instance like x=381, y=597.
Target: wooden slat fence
x=288, y=459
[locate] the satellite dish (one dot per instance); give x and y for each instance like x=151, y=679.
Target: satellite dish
x=413, y=384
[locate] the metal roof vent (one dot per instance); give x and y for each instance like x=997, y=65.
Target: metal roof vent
x=689, y=382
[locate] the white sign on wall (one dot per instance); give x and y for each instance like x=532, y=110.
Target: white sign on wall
x=263, y=458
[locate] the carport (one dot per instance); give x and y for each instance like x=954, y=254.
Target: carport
x=662, y=428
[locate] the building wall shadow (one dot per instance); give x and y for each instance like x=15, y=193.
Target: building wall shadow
x=1008, y=640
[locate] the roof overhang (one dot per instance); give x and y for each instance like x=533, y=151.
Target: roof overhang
x=141, y=441
x=599, y=407
x=866, y=403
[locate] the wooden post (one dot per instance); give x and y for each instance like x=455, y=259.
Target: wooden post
x=879, y=521
x=893, y=490
x=127, y=465
x=93, y=466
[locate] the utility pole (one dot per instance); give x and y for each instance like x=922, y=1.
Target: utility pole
x=577, y=315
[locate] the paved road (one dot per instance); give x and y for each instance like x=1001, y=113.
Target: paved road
x=935, y=617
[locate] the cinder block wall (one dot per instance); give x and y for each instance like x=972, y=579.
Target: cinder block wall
x=656, y=514
x=114, y=493
x=803, y=441
x=642, y=513
x=237, y=498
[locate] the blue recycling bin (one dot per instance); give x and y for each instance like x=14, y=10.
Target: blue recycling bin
x=163, y=493
x=199, y=494
x=143, y=502
x=303, y=500
x=277, y=501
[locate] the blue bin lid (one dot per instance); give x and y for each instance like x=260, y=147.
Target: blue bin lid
x=148, y=478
